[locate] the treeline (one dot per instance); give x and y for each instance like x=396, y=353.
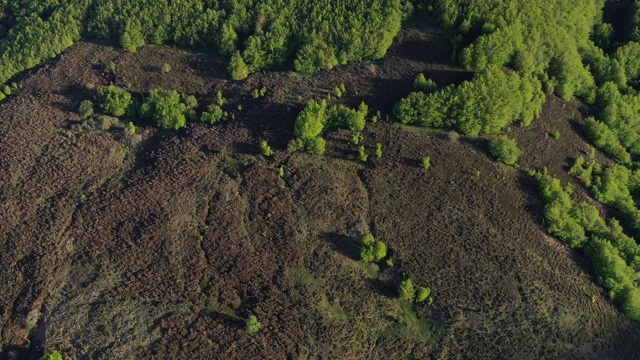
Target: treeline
x=36, y=31
x=255, y=34
x=488, y=103
x=615, y=256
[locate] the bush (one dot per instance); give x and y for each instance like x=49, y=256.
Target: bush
x=505, y=149
x=113, y=100
x=406, y=291
x=362, y=153
x=378, y=150
x=166, y=68
x=252, y=324
x=86, y=109
x=212, y=115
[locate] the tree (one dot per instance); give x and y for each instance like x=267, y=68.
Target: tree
x=86, y=109
x=166, y=108
x=212, y=115
x=371, y=249
x=52, y=355
x=316, y=145
x=424, y=85
x=505, y=149
x=252, y=324
x=113, y=100
x=422, y=294
x=237, y=68
x=426, y=162
x=406, y=291
x=265, y=149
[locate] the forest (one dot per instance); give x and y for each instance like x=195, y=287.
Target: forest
x=540, y=98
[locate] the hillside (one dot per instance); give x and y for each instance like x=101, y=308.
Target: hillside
x=123, y=239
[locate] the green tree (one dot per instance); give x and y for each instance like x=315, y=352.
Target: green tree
x=406, y=291
x=166, y=108
x=212, y=115
x=237, y=68
x=426, y=162
x=113, y=100
x=505, y=149
x=252, y=324
x=52, y=355
x=265, y=149
x=424, y=85
x=422, y=294
x=371, y=249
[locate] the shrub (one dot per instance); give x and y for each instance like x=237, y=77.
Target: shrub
x=362, y=153
x=166, y=68
x=505, y=149
x=265, y=149
x=6, y=90
x=219, y=98
x=212, y=115
x=252, y=324
x=378, y=150
x=86, y=109
x=406, y=291
x=113, y=100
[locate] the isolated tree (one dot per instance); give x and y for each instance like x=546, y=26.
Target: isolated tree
x=265, y=149
x=406, y=291
x=113, y=100
x=505, y=149
x=166, y=108
x=252, y=324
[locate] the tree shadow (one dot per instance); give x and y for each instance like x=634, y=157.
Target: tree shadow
x=345, y=245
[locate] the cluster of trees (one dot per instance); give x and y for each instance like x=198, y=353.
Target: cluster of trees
x=408, y=292
x=492, y=100
x=313, y=119
x=615, y=186
x=259, y=34
x=614, y=255
x=371, y=249
x=617, y=129
x=533, y=37
x=168, y=108
x=33, y=31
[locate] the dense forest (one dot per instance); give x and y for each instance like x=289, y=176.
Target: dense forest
x=519, y=54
